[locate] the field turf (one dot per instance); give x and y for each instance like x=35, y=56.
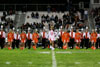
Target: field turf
x=43, y=58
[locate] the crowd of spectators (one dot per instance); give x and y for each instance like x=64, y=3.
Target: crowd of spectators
x=96, y=15
x=35, y=15
x=32, y=26
x=6, y=21
x=75, y=18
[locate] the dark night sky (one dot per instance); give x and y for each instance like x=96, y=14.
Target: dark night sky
x=37, y=1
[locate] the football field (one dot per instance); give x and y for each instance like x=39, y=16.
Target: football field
x=49, y=58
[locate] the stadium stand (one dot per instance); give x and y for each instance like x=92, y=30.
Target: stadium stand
x=7, y=20
x=65, y=18
x=96, y=16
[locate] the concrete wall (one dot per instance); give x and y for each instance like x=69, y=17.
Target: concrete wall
x=94, y=5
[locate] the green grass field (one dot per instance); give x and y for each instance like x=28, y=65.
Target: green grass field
x=43, y=58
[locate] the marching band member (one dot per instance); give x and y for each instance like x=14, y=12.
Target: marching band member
x=61, y=31
x=93, y=39
x=65, y=39
x=60, y=43
x=98, y=40
x=77, y=39
x=14, y=41
x=29, y=38
x=47, y=38
x=56, y=38
x=17, y=39
x=44, y=36
x=86, y=37
x=51, y=38
x=2, y=38
x=72, y=36
x=23, y=40
x=35, y=37
x=82, y=38
x=10, y=38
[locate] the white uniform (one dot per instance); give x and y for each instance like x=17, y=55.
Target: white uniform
x=51, y=35
x=72, y=34
x=3, y=34
x=16, y=37
x=56, y=35
x=98, y=36
x=60, y=33
x=86, y=35
x=29, y=35
x=46, y=35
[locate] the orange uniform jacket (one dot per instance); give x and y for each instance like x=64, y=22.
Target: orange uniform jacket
x=23, y=37
x=65, y=37
x=10, y=37
x=93, y=37
x=35, y=37
x=78, y=37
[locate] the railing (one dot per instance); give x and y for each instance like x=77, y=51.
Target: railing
x=91, y=20
x=30, y=7
x=34, y=7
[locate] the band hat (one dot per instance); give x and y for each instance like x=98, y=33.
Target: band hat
x=13, y=28
x=36, y=30
x=29, y=28
x=61, y=27
x=17, y=30
x=44, y=28
x=86, y=27
x=1, y=26
x=95, y=29
x=71, y=27
x=82, y=29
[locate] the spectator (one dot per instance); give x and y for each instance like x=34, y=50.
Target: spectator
x=85, y=15
x=37, y=15
x=52, y=18
x=48, y=8
x=32, y=15
x=56, y=18
x=47, y=18
x=43, y=18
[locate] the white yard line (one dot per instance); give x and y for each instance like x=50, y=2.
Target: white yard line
x=8, y=62
x=98, y=62
x=77, y=62
x=44, y=52
x=64, y=52
x=29, y=62
x=54, y=64
x=80, y=52
x=70, y=52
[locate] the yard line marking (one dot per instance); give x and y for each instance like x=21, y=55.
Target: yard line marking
x=98, y=62
x=54, y=64
x=44, y=52
x=77, y=62
x=8, y=62
x=64, y=52
x=70, y=52
x=80, y=52
x=29, y=62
